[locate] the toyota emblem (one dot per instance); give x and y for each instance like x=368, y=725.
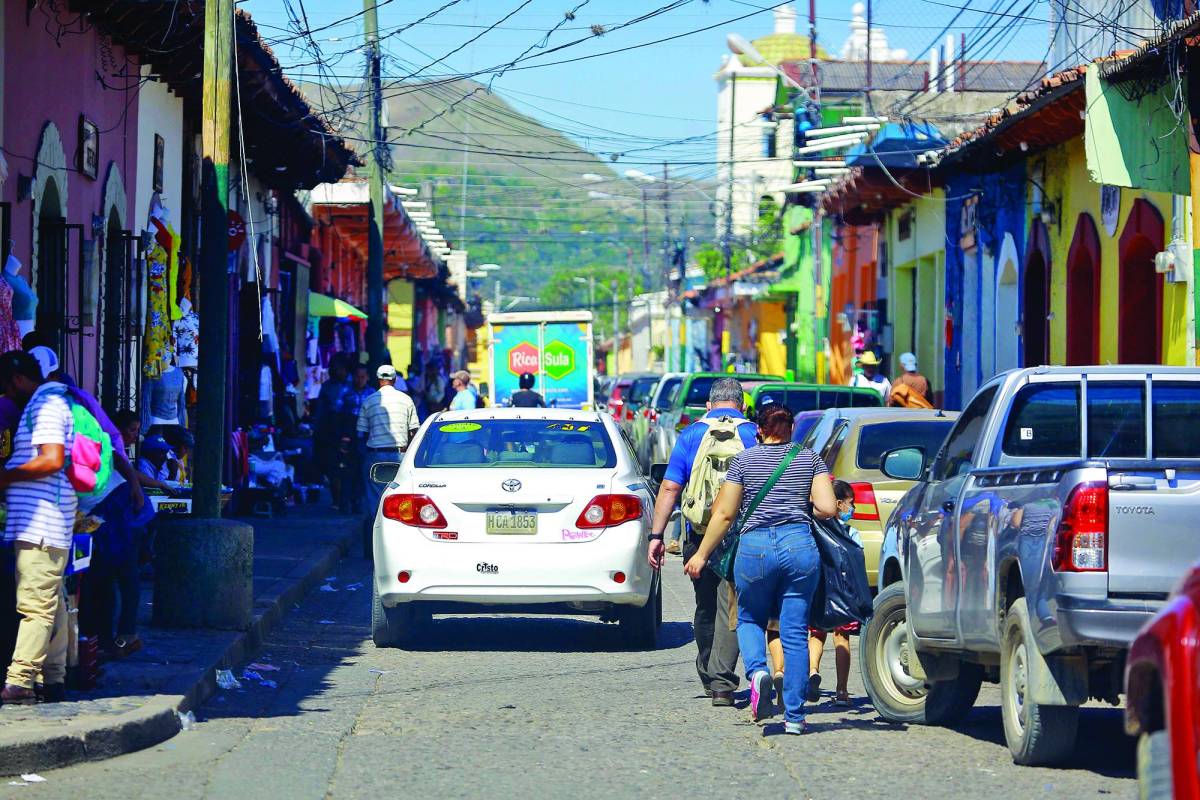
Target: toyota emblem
x=511, y=485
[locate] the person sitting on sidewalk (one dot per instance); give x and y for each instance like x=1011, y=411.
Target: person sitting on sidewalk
x=41, y=518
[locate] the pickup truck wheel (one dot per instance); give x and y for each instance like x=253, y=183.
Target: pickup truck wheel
x=1155, y=780
x=949, y=701
x=1037, y=734
x=884, y=654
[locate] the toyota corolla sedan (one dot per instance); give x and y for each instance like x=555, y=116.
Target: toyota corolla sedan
x=518, y=510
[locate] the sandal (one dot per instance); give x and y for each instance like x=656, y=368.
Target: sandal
x=842, y=699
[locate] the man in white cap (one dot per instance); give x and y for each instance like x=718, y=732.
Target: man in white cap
x=386, y=424
x=870, y=376
x=911, y=388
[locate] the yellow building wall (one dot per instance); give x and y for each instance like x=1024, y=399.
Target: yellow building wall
x=1068, y=186
x=772, y=326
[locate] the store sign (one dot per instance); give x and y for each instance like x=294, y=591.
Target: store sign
x=523, y=358
x=237, y=231
x=1110, y=208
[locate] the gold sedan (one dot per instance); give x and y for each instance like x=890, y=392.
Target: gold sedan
x=851, y=441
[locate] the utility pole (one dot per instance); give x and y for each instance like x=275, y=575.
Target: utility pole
x=867, y=88
x=376, y=324
x=496, y=302
x=616, y=322
x=668, y=249
x=645, y=239
x=727, y=243
x=215, y=115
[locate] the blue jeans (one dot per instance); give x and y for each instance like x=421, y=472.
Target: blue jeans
x=776, y=571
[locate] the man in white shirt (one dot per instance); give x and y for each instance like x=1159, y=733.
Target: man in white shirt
x=41, y=518
x=870, y=377
x=386, y=424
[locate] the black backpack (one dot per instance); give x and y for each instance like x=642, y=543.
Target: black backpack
x=843, y=593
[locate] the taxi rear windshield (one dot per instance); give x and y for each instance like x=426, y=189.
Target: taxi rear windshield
x=513, y=443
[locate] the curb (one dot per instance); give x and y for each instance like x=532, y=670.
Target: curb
x=158, y=720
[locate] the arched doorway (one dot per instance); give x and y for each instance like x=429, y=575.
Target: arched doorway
x=114, y=374
x=1083, y=294
x=1006, y=316
x=1035, y=303
x=51, y=321
x=1139, y=315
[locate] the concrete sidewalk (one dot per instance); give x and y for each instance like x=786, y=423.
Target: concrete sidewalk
x=138, y=699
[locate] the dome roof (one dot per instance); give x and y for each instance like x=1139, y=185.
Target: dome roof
x=777, y=48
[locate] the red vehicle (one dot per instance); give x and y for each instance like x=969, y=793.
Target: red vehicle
x=1162, y=689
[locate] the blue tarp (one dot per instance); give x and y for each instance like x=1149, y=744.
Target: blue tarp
x=896, y=145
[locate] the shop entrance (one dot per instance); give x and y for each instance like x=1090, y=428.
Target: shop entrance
x=1035, y=310
x=51, y=287
x=1139, y=318
x=118, y=312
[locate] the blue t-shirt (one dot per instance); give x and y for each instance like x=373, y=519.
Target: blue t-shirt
x=683, y=455
x=464, y=400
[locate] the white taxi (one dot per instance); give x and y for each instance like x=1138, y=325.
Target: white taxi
x=501, y=510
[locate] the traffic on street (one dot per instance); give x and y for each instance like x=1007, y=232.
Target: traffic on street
x=528, y=398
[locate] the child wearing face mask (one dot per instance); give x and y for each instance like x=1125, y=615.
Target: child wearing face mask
x=844, y=493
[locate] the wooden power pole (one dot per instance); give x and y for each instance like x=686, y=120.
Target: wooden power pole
x=376, y=324
x=214, y=257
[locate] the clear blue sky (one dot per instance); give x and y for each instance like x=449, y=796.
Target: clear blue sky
x=650, y=94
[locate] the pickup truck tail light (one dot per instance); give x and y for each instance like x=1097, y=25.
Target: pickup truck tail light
x=416, y=510
x=610, y=509
x=1082, y=541
x=684, y=421
x=865, y=507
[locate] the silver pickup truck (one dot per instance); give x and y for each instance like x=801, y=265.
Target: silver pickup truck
x=1053, y=521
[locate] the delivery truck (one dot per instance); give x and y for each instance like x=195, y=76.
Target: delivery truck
x=554, y=347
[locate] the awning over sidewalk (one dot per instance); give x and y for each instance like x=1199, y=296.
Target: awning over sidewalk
x=322, y=305
x=347, y=206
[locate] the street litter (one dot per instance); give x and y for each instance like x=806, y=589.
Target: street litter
x=380, y=671
x=325, y=587
x=353, y=587
x=326, y=622
x=186, y=721
x=17, y=783
x=33, y=777
x=269, y=684
x=226, y=680
x=261, y=667
x=251, y=675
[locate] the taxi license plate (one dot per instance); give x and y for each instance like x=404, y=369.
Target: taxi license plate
x=512, y=522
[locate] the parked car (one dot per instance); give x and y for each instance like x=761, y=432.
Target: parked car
x=1024, y=550
x=804, y=422
x=851, y=442
x=1162, y=697
x=537, y=509
x=647, y=436
x=687, y=404
x=628, y=393
x=800, y=397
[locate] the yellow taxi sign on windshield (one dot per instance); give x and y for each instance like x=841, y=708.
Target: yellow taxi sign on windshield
x=459, y=427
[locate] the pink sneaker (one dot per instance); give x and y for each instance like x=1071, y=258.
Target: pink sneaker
x=760, y=695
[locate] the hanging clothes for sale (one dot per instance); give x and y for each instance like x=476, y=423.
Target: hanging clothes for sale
x=24, y=301
x=164, y=401
x=10, y=334
x=187, y=334
x=160, y=296
x=169, y=238
x=270, y=338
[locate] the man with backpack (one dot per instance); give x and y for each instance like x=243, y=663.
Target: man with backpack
x=41, y=517
x=695, y=471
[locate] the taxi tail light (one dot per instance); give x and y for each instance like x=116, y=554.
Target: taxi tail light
x=417, y=510
x=1081, y=544
x=609, y=509
x=865, y=507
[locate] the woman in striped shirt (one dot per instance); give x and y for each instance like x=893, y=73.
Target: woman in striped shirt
x=777, y=566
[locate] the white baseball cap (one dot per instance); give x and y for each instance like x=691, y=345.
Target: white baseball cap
x=909, y=362
x=47, y=359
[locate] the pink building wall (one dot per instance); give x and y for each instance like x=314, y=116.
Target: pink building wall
x=56, y=81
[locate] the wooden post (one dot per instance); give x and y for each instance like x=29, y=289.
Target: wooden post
x=376, y=324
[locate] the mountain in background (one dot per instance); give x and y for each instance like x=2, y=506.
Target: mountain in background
x=528, y=206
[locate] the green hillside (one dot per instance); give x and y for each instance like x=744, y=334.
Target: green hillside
x=528, y=206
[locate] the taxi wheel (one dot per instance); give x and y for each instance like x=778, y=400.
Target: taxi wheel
x=639, y=626
x=394, y=627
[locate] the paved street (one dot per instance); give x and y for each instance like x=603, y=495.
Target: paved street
x=533, y=707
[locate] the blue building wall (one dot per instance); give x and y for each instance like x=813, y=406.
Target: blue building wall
x=972, y=276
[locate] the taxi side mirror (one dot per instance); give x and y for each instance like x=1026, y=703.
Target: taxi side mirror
x=384, y=472
x=658, y=472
